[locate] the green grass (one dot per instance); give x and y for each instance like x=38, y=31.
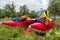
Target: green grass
x=17, y=33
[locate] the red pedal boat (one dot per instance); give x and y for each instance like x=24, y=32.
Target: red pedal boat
x=40, y=27
x=21, y=23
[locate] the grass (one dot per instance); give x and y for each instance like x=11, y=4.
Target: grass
x=17, y=33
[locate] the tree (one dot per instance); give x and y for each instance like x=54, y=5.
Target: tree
x=33, y=14
x=2, y=13
x=10, y=10
x=24, y=10
x=54, y=7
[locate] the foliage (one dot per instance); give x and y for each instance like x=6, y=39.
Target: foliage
x=2, y=13
x=33, y=14
x=17, y=33
x=54, y=7
x=24, y=10
x=9, y=10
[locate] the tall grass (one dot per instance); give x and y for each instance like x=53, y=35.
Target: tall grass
x=17, y=33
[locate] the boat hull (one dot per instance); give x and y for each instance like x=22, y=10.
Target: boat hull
x=21, y=23
x=42, y=27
